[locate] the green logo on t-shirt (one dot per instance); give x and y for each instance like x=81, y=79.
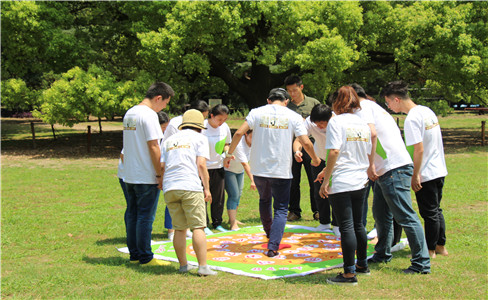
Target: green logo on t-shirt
x=380, y=151
x=219, y=146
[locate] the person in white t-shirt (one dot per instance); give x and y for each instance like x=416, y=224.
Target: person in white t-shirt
x=392, y=172
x=175, y=122
x=316, y=125
x=163, y=119
x=345, y=178
x=219, y=137
x=274, y=126
x=142, y=171
x=369, y=112
x=183, y=162
x=234, y=178
x=422, y=130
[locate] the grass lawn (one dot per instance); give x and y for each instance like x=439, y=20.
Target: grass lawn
x=62, y=220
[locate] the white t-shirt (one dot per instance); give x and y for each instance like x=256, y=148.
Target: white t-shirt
x=141, y=125
x=179, y=154
x=421, y=125
x=319, y=137
x=172, y=127
x=241, y=154
x=391, y=152
x=120, y=168
x=217, y=138
x=273, y=128
x=349, y=134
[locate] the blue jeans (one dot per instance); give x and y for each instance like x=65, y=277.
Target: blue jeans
x=348, y=208
x=142, y=203
x=233, y=185
x=392, y=199
x=279, y=190
x=168, y=223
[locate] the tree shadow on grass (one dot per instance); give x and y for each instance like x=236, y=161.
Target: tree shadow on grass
x=120, y=261
x=112, y=241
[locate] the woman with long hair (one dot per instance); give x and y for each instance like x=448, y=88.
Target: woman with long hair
x=348, y=140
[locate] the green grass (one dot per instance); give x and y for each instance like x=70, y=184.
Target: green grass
x=62, y=220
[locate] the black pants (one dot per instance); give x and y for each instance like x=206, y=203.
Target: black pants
x=348, y=208
x=429, y=202
x=296, y=170
x=323, y=205
x=217, y=189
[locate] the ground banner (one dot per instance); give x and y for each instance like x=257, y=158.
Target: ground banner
x=243, y=252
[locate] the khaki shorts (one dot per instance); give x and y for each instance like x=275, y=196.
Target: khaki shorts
x=187, y=209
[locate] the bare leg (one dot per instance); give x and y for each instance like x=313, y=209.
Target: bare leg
x=441, y=250
x=237, y=221
x=179, y=243
x=432, y=253
x=232, y=219
x=200, y=246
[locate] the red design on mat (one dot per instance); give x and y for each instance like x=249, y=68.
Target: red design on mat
x=282, y=246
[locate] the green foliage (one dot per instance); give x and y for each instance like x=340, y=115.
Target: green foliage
x=239, y=50
x=36, y=38
x=77, y=95
x=201, y=40
x=440, y=107
x=17, y=96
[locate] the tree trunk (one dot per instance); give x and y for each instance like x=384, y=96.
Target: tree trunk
x=54, y=133
x=255, y=89
x=100, y=124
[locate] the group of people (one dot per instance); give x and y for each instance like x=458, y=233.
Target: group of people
x=345, y=149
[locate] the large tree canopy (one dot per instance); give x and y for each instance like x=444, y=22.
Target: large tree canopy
x=242, y=49
x=250, y=47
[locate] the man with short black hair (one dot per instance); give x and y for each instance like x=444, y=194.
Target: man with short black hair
x=273, y=128
x=316, y=125
x=142, y=171
x=301, y=104
x=422, y=130
x=394, y=169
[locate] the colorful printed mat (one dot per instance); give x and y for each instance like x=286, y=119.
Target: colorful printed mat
x=243, y=252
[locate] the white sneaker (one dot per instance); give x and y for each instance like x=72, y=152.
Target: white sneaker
x=208, y=231
x=187, y=268
x=171, y=235
x=400, y=246
x=372, y=234
x=205, y=271
x=336, y=231
x=323, y=227
x=189, y=234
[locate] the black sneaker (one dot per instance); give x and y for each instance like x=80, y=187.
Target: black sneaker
x=373, y=260
x=272, y=253
x=410, y=271
x=341, y=280
x=363, y=271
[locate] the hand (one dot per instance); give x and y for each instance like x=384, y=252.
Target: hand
x=324, y=189
x=416, y=185
x=320, y=176
x=227, y=161
x=315, y=163
x=298, y=156
x=207, y=196
x=372, y=173
x=160, y=182
x=253, y=186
